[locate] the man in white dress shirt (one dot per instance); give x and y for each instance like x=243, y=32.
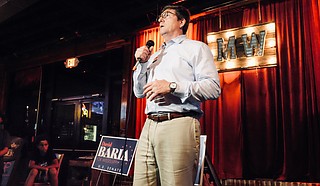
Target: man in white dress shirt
x=174, y=80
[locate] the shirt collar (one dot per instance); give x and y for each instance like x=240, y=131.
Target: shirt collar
x=179, y=39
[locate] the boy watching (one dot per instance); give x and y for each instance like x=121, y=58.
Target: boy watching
x=43, y=163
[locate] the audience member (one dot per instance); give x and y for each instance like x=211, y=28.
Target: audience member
x=4, y=143
x=43, y=164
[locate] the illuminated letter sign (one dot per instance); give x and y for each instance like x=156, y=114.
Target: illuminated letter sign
x=244, y=48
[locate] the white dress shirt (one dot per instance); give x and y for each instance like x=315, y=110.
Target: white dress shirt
x=187, y=62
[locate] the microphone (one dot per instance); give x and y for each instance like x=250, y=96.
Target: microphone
x=149, y=44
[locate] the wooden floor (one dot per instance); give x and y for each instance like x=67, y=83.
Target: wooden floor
x=127, y=181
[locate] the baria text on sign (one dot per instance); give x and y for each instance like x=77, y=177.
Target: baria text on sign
x=113, y=153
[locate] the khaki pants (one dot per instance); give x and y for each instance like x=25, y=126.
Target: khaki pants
x=167, y=152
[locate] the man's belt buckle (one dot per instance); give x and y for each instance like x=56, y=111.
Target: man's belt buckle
x=161, y=116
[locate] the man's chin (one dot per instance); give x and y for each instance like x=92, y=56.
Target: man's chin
x=162, y=33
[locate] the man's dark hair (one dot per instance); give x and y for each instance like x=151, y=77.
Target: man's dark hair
x=182, y=13
x=40, y=138
x=37, y=141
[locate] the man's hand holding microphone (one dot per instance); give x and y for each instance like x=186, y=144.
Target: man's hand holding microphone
x=143, y=53
x=156, y=89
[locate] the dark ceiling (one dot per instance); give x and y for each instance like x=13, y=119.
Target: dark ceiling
x=31, y=25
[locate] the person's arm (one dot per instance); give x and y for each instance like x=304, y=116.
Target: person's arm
x=55, y=164
x=4, y=151
x=207, y=84
x=139, y=80
x=204, y=86
x=6, y=143
x=140, y=74
x=33, y=165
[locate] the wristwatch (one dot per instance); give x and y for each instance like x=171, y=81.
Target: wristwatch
x=172, y=87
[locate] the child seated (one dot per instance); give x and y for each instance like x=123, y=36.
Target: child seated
x=43, y=164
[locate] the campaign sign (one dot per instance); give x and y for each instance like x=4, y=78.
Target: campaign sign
x=115, y=155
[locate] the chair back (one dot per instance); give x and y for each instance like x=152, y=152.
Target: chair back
x=60, y=158
x=202, y=152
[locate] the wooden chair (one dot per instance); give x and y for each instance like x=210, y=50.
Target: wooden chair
x=60, y=158
x=202, y=152
x=204, y=161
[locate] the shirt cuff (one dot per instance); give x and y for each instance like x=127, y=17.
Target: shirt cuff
x=182, y=90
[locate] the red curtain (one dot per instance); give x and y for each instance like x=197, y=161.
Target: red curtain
x=140, y=104
x=266, y=122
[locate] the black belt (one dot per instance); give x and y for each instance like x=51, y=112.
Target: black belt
x=159, y=117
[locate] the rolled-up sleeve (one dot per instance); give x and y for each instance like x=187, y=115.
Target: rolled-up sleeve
x=206, y=84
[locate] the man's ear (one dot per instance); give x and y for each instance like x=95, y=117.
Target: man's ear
x=182, y=22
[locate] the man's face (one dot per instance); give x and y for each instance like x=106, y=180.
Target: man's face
x=43, y=146
x=169, y=23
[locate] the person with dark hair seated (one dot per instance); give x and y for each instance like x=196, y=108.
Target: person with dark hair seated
x=43, y=164
x=4, y=143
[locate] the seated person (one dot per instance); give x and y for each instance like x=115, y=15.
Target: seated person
x=4, y=143
x=43, y=163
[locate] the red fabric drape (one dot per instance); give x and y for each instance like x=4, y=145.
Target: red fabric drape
x=266, y=122
x=297, y=25
x=140, y=40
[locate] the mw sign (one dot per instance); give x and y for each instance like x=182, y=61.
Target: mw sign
x=243, y=48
